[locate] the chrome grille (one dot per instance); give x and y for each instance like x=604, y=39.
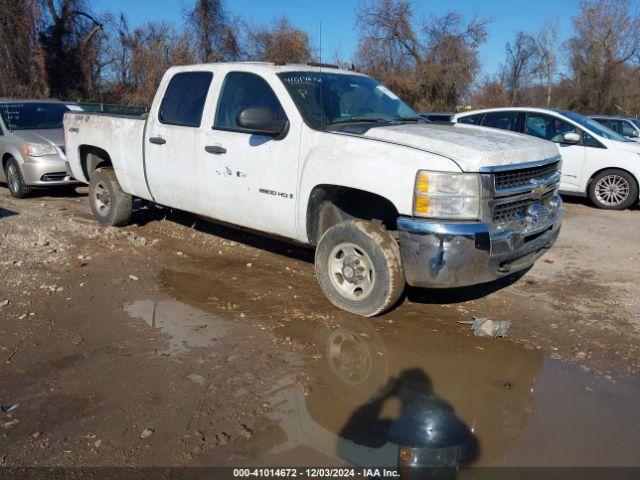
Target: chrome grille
x=524, y=176
x=516, y=210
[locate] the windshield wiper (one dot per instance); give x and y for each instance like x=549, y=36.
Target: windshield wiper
x=357, y=120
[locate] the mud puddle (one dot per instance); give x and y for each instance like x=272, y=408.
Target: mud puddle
x=376, y=388
x=186, y=326
x=377, y=385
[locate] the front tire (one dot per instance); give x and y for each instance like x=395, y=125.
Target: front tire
x=15, y=181
x=109, y=203
x=359, y=268
x=613, y=189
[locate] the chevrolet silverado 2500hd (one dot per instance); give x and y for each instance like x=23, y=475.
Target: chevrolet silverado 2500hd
x=332, y=159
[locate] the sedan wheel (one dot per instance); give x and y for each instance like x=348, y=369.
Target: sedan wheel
x=612, y=190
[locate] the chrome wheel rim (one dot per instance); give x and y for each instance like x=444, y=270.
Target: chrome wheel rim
x=13, y=178
x=612, y=190
x=101, y=198
x=351, y=271
x=349, y=357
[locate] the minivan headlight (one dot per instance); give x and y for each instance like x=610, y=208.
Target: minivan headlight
x=39, y=149
x=447, y=195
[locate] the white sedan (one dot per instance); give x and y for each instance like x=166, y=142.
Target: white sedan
x=596, y=161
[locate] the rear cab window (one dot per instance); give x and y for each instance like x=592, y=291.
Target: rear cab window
x=184, y=99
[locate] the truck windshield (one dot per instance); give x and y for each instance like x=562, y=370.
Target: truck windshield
x=325, y=99
x=33, y=115
x=594, y=126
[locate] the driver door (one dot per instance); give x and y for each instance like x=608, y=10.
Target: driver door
x=256, y=174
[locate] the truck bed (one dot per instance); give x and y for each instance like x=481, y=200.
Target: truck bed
x=119, y=135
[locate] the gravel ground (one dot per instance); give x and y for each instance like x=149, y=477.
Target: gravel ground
x=104, y=374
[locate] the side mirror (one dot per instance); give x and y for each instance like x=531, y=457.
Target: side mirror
x=261, y=120
x=571, y=137
x=634, y=134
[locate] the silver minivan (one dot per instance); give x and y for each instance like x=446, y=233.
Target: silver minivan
x=32, y=145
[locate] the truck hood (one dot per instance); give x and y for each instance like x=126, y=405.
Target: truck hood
x=49, y=136
x=471, y=147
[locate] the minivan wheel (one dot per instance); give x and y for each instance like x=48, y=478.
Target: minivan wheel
x=359, y=268
x=109, y=203
x=15, y=181
x=613, y=189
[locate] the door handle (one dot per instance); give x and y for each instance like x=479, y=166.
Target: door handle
x=215, y=149
x=158, y=140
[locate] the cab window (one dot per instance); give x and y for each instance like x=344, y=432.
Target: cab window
x=242, y=90
x=548, y=127
x=184, y=99
x=502, y=120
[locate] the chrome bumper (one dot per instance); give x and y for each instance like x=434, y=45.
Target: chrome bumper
x=45, y=172
x=446, y=255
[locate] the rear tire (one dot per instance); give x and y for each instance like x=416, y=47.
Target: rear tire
x=613, y=189
x=359, y=267
x=109, y=203
x=15, y=181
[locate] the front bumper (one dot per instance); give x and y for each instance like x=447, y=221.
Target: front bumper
x=47, y=172
x=446, y=255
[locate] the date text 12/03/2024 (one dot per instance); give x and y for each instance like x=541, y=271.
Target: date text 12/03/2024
x=316, y=473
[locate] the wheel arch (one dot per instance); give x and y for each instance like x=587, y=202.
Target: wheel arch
x=329, y=204
x=92, y=158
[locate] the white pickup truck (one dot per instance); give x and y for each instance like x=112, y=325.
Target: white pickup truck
x=334, y=160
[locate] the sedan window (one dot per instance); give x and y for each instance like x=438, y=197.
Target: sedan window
x=470, y=119
x=548, y=127
x=628, y=130
x=502, y=120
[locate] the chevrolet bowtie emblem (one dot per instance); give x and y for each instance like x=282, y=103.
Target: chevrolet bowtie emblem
x=538, y=191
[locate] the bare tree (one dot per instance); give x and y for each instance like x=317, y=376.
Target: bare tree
x=605, y=44
x=23, y=67
x=547, y=58
x=213, y=30
x=519, y=65
x=155, y=47
x=73, y=48
x=279, y=42
x=489, y=93
x=429, y=67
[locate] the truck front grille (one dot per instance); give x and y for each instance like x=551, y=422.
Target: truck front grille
x=524, y=176
x=516, y=210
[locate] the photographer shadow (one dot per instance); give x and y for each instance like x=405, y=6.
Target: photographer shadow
x=433, y=442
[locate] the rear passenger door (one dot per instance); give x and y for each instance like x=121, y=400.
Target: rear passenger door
x=172, y=139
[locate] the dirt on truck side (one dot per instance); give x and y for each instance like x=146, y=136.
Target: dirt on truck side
x=176, y=341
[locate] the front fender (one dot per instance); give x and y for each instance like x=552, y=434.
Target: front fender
x=385, y=169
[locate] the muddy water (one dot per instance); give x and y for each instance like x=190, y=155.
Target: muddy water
x=376, y=385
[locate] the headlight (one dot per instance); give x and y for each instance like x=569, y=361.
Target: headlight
x=38, y=149
x=447, y=195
